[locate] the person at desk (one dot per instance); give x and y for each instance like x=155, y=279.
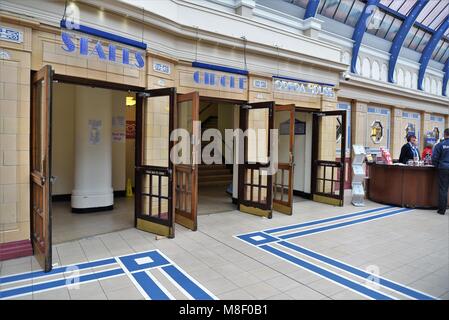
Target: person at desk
x=440, y=159
x=409, y=151
x=427, y=152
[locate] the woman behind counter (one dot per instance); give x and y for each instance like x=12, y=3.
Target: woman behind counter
x=409, y=151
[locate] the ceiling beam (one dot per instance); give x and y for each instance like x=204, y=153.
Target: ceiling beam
x=399, y=39
x=359, y=30
x=428, y=51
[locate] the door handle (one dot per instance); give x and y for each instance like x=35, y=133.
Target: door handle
x=43, y=180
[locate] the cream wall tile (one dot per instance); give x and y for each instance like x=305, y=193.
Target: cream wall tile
x=23, y=211
x=23, y=174
x=9, y=213
x=8, y=175
x=23, y=111
x=23, y=142
x=10, y=193
x=10, y=158
x=8, y=108
x=10, y=125
x=11, y=91
x=8, y=142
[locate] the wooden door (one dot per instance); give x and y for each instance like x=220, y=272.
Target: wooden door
x=284, y=121
x=255, y=181
x=153, y=169
x=186, y=172
x=328, y=174
x=40, y=166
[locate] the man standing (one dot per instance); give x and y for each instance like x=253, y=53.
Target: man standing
x=409, y=150
x=440, y=159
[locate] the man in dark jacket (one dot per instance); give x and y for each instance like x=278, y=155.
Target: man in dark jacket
x=409, y=150
x=440, y=159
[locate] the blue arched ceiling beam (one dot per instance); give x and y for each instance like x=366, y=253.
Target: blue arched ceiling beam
x=446, y=77
x=311, y=9
x=428, y=50
x=360, y=29
x=402, y=34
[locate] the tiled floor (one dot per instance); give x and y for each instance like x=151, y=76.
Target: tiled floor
x=214, y=199
x=410, y=248
x=69, y=226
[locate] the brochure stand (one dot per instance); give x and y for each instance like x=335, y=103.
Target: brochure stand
x=358, y=176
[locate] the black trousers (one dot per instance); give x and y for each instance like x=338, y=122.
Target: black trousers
x=443, y=175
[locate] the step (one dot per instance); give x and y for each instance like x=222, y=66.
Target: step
x=214, y=183
x=214, y=172
x=216, y=178
x=211, y=166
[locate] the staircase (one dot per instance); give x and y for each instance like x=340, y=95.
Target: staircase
x=214, y=175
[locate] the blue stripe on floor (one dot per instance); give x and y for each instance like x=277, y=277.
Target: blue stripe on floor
x=384, y=282
x=191, y=287
x=327, y=274
x=343, y=224
x=149, y=286
x=37, y=274
x=58, y=283
x=311, y=223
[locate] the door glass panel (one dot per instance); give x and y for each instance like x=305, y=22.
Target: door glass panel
x=329, y=172
x=282, y=123
x=38, y=103
x=258, y=130
x=156, y=131
x=184, y=121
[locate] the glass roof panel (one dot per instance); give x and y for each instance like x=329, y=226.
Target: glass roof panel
x=343, y=9
x=355, y=13
x=437, y=15
x=386, y=25
x=430, y=14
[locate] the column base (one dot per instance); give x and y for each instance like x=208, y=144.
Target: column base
x=85, y=203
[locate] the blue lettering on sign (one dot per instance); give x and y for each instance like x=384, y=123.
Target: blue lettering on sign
x=69, y=45
x=224, y=81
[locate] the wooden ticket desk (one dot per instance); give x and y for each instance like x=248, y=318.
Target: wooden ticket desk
x=405, y=186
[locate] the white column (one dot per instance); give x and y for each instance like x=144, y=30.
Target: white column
x=93, y=150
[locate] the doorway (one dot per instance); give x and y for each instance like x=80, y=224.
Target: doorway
x=215, y=180
x=92, y=160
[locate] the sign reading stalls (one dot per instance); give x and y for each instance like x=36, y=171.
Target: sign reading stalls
x=90, y=47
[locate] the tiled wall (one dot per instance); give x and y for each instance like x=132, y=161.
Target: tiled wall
x=14, y=136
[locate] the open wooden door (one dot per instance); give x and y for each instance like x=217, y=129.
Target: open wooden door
x=153, y=170
x=328, y=174
x=186, y=173
x=255, y=181
x=40, y=166
x=284, y=121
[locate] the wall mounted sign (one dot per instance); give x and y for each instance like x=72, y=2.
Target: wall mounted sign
x=130, y=129
x=94, y=131
x=161, y=67
x=219, y=80
x=377, y=132
x=296, y=86
x=4, y=55
x=11, y=35
x=437, y=119
x=260, y=84
x=88, y=47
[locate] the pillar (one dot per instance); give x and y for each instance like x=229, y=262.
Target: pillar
x=93, y=151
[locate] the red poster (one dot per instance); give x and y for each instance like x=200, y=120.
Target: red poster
x=130, y=129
